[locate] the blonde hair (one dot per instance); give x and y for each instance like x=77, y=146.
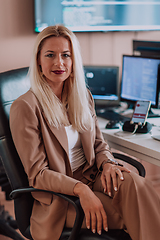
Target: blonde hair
x=75, y=97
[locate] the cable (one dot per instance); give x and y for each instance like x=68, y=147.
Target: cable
x=135, y=128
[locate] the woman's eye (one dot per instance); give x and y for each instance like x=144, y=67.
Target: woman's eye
x=50, y=55
x=66, y=55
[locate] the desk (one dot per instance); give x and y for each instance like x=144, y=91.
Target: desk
x=142, y=146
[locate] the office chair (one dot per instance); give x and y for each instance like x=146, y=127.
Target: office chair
x=4, y=183
x=13, y=84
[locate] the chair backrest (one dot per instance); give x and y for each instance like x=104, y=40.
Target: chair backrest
x=13, y=84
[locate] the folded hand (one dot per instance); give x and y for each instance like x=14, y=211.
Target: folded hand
x=109, y=176
x=93, y=209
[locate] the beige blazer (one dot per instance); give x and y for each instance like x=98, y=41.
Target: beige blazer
x=43, y=150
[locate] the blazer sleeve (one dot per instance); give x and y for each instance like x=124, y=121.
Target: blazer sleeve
x=27, y=137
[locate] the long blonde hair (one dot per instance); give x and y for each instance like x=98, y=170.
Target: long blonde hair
x=75, y=94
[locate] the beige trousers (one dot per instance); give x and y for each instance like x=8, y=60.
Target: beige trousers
x=135, y=206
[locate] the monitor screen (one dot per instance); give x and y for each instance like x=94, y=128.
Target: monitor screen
x=92, y=15
x=103, y=82
x=140, y=79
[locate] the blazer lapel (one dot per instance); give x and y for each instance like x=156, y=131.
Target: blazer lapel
x=60, y=134
x=86, y=139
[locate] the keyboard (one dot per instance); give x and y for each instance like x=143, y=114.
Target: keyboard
x=112, y=115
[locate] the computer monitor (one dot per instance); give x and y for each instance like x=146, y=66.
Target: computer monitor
x=146, y=48
x=103, y=82
x=140, y=79
x=91, y=16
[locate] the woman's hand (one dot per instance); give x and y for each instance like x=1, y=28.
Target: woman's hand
x=109, y=176
x=93, y=209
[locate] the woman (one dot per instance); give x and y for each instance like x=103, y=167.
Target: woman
x=62, y=150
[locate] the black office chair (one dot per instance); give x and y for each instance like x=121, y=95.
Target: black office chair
x=13, y=84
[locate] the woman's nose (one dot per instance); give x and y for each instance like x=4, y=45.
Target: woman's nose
x=58, y=61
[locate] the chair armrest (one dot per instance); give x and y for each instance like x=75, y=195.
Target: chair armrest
x=71, y=199
x=133, y=162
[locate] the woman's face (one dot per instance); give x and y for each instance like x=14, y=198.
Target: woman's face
x=56, y=60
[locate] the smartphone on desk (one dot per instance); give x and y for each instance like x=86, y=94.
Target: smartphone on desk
x=140, y=112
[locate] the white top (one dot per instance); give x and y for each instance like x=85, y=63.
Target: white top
x=76, y=153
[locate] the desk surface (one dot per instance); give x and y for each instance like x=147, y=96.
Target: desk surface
x=142, y=146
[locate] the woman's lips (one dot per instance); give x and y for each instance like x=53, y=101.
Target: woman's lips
x=59, y=71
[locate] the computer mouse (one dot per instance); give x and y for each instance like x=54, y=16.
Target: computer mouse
x=112, y=125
